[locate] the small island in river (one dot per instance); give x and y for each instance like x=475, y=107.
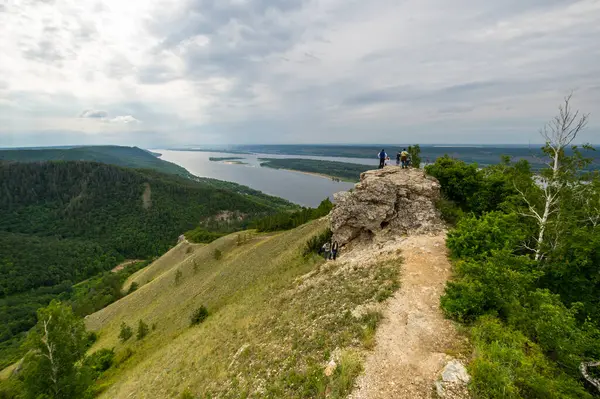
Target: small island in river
x=334, y=170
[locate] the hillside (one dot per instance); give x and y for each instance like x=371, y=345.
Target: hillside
x=275, y=317
x=62, y=222
x=131, y=157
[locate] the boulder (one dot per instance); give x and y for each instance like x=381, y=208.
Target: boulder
x=454, y=381
x=392, y=200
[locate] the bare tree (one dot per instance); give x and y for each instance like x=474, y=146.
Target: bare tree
x=558, y=134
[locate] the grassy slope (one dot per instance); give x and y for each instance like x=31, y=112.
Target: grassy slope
x=131, y=157
x=269, y=333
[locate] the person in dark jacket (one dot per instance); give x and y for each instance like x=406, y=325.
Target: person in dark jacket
x=334, y=250
x=382, y=157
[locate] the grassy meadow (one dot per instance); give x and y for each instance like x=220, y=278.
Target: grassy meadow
x=276, y=319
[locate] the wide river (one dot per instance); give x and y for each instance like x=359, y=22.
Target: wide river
x=298, y=187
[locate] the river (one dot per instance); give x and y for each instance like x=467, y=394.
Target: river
x=297, y=187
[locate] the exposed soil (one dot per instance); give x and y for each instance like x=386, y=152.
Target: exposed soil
x=123, y=265
x=412, y=341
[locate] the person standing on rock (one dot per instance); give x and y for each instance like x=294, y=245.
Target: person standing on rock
x=382, y=157
x=404, y=159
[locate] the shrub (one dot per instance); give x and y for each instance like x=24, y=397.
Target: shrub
x=449, y=211
x=490, y=286
x=92, y=337
x=217, y=254
x=459, y=181
x=199, y=315
x=134, y=286
x=142, y=330
x=122, y=356
x=314, y=244
x=547, y=321
x=100, y=361
x=125, y=333
x=186, y=394
x=178, y=277
x=476, y=237
x=509, y=365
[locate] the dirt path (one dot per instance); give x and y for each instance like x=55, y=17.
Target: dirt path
x=414, y=336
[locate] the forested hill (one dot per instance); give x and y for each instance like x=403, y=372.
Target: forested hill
x=62, y=222
x=132, y=157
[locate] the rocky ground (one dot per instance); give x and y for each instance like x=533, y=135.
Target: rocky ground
x=414, y=340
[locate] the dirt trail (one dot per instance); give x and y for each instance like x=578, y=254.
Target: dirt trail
x=414, y=336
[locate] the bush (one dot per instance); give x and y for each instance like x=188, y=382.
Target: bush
x=218, y=254
x=491, y=286
x=186, y=394
x=142, y=330
x=547, y=321
x=133, y=287
x=100, y=361
x=178, y=276
x=199, y=315
x=92, y=337
x=125, y=333
x=122, y=356
x=449, y=211
x=315, y=243
x=476, y=237
x=509, y=365
x=459, y=181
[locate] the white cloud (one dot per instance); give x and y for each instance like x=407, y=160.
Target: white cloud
x=295, y=70
x=125, y=119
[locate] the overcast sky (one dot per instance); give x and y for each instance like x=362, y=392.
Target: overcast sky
x=159, y=73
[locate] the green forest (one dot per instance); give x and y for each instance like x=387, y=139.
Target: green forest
x=286, y=220
x=526, y=250
x=63, y=222
x=341, y=170
x=131, y=157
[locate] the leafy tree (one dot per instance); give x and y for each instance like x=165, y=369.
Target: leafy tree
x=563, y=174
x=415, y=155
x=142, y=330
x=125, y=333
x=58, y=342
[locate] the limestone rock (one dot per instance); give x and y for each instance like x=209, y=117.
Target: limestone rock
x=453, y=384
x=455, y=371
x=391, y=200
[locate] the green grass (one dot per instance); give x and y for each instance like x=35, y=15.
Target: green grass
x=275, y=320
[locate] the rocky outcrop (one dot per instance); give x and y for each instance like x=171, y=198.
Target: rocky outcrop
x=391, y=201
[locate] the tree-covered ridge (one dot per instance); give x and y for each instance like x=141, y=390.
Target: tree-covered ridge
x=341, y=170
x=131, y=157
x=62, y=222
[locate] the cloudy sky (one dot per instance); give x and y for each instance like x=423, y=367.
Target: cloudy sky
x=157, y=73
